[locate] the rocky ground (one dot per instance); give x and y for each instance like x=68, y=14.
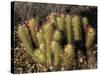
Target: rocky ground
x=24, y=64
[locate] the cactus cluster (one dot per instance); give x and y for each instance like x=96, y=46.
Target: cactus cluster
x=52, y=43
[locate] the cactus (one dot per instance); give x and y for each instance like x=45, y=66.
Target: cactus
x=39, y=56
x=50, y=49
x=90, y=37
x=56, y=48
x=67, y=55
x=32, y=27
x=48, y=53
x=57, y=36
x=69, y=50
x=68, y=28
x=43, y=47
x=25, y=38
x=48, y=31
x=40, y=37
x=85, y=22
x=76, y=27
x=60, y=23
x=52, y=17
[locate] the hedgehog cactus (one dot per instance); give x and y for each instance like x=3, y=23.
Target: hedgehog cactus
x=57, y=36
x=85, y=22
x=32, y=28
x=24, y=36
x=48, y=53
x=40, y=37
x=90, y=37
x=68, y=53
x=76, y=27
x=60, y=23
x=40, y=56
x=56, y=48
x=69, y=50
x=48, y=38
x=68, y=28
x=52, y=19
x=48, y=31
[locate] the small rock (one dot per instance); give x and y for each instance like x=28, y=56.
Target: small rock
x=19, y=70
x=62, y=69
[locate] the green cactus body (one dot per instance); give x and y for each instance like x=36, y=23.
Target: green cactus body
x=24, y=36
x=68, y=53
x=56, y=48
x=68, y=28
x=60, y=23
x=76, y=27
x=69, y=50
x=48, y=31
x=32, y=27
x=40, y=37
x=57, y=36
x=39, y=56
x=90, y=37
x=48, y=53
x=52, y=18
x=85, y=22
x=43, y=49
